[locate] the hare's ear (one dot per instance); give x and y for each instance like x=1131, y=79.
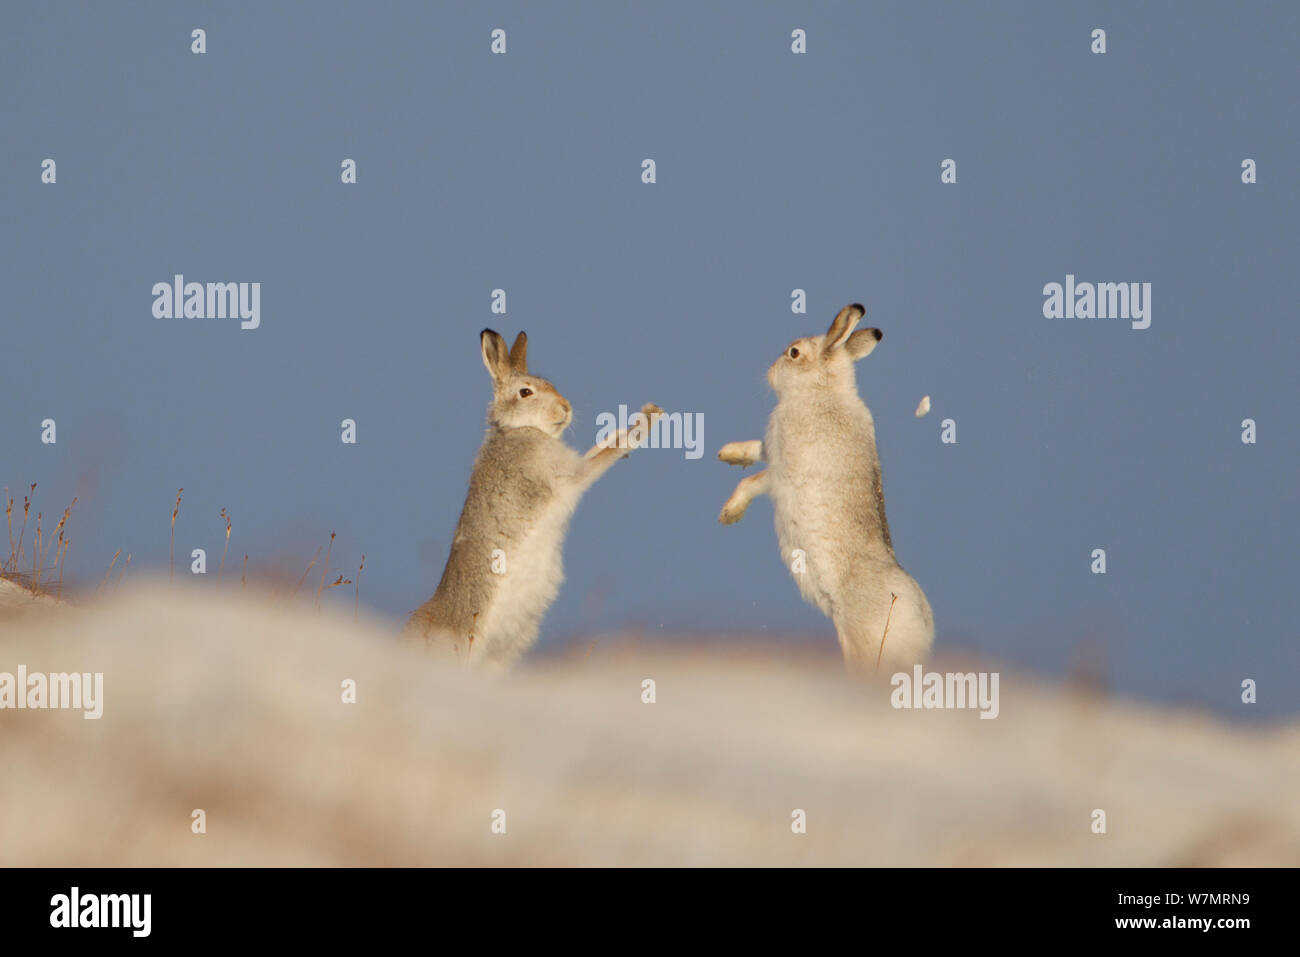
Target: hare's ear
x=495, y=355
x=848, y=317
x=860, y=344
x=519, y=353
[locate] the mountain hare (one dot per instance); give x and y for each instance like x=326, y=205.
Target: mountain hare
x=823, y=477
x=506, y=565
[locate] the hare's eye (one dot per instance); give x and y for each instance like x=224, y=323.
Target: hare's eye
x=525, y=393
x=794, y=352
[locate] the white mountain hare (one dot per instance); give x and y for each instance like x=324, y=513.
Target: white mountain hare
x=506, y=561
x=823, y=477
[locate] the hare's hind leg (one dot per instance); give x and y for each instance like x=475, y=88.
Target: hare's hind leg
x=742, y=453
x=880, y=637
x=746, y=490
x=859, y=650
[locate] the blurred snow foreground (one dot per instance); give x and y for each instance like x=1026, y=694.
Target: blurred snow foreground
x=232, y=705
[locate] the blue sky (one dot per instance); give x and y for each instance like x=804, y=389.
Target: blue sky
x=775, y=171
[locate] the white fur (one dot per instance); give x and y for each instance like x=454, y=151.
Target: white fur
x=511, y=622
x=824, y=480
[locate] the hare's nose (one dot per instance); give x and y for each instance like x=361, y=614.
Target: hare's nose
x=564, y=404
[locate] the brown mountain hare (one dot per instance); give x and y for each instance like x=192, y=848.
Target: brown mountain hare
x=506, y=562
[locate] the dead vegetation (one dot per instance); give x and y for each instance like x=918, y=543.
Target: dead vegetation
x=31, y=566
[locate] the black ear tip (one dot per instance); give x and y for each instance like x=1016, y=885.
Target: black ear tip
x=878, y=334
x=487, y=332
x=859, y=307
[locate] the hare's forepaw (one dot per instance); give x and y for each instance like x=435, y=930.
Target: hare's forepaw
x=744, y=493
x=741, y=453
x=732, y=511
x=639, y=434
x=735, y=506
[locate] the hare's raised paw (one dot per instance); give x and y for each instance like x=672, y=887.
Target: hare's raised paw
x=741, y=453
x=733, y=511
x=639, y=434
x=746, y=489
